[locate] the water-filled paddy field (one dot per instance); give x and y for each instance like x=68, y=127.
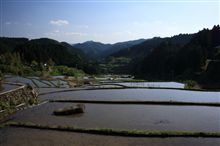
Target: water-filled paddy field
x=152, y=84
x=137, y=94
x=7, y=87
x=139, y=117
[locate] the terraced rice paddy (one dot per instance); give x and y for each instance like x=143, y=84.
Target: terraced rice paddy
x=169, y=118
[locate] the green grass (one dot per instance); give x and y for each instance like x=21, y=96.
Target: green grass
x=116, y=132
x=9, y=107
x=217, y=104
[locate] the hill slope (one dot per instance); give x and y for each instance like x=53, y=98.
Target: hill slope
x=92, y=49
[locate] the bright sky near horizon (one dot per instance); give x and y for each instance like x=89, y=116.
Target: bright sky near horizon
x=106, y=21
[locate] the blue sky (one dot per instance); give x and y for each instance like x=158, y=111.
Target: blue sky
x=106, y=21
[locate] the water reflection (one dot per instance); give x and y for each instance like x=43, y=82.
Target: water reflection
x=141, y=117
x=152, y=84
x=138, y=94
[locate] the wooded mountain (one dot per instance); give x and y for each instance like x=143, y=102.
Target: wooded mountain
x=92, y=50
x=192, y=60
x=181, y=57
x=123, y=60
x=42, y=50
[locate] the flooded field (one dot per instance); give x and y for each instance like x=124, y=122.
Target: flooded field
x=152, y=84
x=7, y=87
x=141, y=117
x=56, y=82
x=138, y=94
x=18, y=79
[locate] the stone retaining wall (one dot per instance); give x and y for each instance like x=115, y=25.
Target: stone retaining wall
x=12, y=98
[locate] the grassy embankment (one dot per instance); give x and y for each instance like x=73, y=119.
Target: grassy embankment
x=116, y=132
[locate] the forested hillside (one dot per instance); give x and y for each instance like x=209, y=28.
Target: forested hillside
x=19, y=55
x=182, y=61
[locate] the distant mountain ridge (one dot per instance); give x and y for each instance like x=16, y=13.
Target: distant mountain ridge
x=142, y=49
x=131, y=49
x=98, y=50
x=92, y=49
x=121, y=46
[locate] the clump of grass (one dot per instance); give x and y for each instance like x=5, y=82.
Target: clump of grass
x=189, y=84
x=115, y=132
